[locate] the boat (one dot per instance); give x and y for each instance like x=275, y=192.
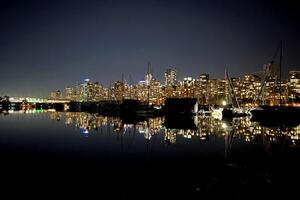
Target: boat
x=278, y=115
x=232, y=110
x=137, y=108
x=180, y=106
x=274, y=116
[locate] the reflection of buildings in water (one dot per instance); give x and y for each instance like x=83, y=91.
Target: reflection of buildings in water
x=55, y=116
x=150, y=127
x=84, y=132
x=170, y=136
x=252, y=132
x=295, y=135
x=86, y=121
x=68, y=119
x=208, y=127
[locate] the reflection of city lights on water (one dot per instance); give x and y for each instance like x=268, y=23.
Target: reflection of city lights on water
x=224, y=125
x=85, y=132
x=208, y=128
x=217, y=113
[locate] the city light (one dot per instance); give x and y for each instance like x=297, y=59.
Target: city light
x=224, y=103
x=249, y=91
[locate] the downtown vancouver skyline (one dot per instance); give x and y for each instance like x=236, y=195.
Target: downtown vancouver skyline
x=52, y=44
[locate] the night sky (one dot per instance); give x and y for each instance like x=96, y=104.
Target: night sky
x=47, y=45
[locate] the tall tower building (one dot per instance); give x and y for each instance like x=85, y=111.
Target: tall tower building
x=170, y=77
x=88, y=90
x=148, y=76
x=201, y=88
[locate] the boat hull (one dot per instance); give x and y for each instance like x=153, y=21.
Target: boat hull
x=289, y=116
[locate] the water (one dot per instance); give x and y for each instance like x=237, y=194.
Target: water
x=86, y=154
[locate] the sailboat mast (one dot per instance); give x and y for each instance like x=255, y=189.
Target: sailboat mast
x=148, y=83
x=280, y=63
x=123, y=87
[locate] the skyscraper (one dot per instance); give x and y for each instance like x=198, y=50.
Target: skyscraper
x=188, y=87
x=170, y=77
x=119, y=90
x=201, y=88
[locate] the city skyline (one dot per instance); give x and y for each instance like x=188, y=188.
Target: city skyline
x=247, y=89
x=134, y=99
x=47, y=44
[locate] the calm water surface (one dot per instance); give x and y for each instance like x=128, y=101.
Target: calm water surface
x=85, y=154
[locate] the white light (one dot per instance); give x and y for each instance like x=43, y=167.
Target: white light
x=224, y=126
x=85, y=131
x=224, y=103
x=217, y=113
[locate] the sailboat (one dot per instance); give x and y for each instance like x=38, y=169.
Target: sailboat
x=137, y=110
x=234, y=109
x=277, y=115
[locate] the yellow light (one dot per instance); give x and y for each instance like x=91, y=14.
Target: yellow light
x=224, y=125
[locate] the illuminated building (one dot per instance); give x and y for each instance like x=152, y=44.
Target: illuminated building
x=79, y=92
x=247, y=87
x=119, y=88
x=88, y=90
x=294, y=85
x=148, y=78
x=128, y=91
x=56, y=95
x=187, y=88
x=85, y=91
x=155, y=96
x=98, y=92
x=201, y=88
x=170, y=77
x=105, y=94
x=69, y=93
x=271, y=94
x=217, y=91
x=236, y=84
x=248, y=91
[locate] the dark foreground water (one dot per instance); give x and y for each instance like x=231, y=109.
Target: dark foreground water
x=50, y=154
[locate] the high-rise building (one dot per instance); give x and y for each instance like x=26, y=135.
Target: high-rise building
x=217, y=91
x=79, y=92
x=294, y=85
x=85, y=91
x=69, y=93
x=250, y=88
x=271, y=95
x=148, y=78
x=187, y=87
x=155, y=96
x=119, y=90
x=88, y=90
x=170, y=77
x=98, y=92
x=201, y=88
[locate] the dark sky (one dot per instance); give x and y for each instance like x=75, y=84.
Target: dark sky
x=47, y=45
